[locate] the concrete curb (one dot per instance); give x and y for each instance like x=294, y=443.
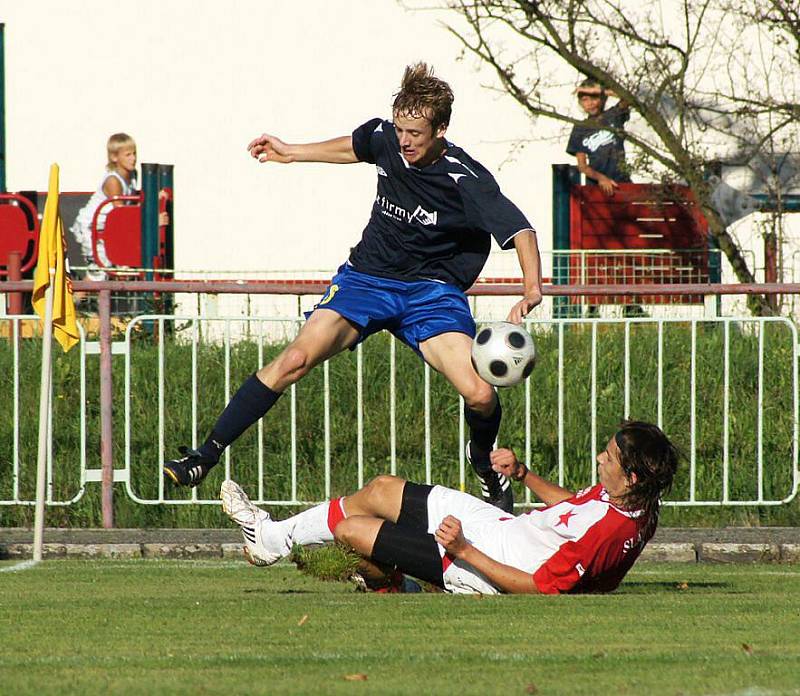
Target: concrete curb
x=122, y=551
x=655, y=552
x=739, y=553
x=669, y=553
x=790, y=553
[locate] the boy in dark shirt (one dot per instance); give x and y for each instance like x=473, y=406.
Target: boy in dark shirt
x=428, y=236
x=600, y=152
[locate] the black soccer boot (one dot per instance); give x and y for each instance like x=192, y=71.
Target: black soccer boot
x=394, y=583
x=188, y=470
x=495, y=488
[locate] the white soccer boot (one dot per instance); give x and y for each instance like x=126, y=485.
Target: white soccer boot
x=253, y=522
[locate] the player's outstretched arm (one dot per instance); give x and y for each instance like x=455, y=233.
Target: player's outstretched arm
x=528, y=254
x=502, y=576
x=268, y=148
x=505, y=462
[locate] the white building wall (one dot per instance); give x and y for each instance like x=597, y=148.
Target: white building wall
x=194, y=81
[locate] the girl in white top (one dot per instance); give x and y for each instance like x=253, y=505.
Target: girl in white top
x=118, y=180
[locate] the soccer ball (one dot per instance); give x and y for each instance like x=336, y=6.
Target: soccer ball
x=503, y=354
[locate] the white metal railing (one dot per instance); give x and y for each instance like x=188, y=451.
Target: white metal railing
x=20, y=462
x=742, y=452
x=668, y=388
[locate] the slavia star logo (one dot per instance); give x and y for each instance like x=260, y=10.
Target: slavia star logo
x=564, y=519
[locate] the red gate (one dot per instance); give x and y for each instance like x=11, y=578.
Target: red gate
x=658, y=231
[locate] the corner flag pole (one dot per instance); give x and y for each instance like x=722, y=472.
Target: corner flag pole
x=44, y=415
x=52, y=301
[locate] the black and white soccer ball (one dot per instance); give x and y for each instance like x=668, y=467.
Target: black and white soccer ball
x=503, y=353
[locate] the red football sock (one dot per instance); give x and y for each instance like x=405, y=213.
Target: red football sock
x=335, y=513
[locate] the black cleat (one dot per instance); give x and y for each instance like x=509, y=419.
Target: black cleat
x=395, y=583
x=495, y=488
x=190, y=469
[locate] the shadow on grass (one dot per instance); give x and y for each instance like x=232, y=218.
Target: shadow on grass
x=678, y=587
x=267, y=590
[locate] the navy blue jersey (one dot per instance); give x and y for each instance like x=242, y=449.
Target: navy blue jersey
x=432, y=223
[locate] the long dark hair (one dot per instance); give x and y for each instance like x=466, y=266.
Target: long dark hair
x=647, y=452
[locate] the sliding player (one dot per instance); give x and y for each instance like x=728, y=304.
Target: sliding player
x=581, y=542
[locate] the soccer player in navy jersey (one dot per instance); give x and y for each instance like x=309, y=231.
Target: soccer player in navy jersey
x=427, y=239
x=581, y=542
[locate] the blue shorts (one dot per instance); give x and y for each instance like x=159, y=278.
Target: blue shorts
x=414, y=311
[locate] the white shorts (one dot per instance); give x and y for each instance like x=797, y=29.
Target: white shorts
x=478, y=519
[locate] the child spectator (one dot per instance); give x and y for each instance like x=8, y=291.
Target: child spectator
x=600, y=152
x=118, y=180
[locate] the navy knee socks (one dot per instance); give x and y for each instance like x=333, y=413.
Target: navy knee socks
x=482, y=434
x=247, y=406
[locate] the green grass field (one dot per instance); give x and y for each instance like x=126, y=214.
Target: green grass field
x=113, y=627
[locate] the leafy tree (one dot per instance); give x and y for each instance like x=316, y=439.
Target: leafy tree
x=709, y=82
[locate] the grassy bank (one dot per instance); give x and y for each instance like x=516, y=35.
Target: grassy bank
x=573, y=391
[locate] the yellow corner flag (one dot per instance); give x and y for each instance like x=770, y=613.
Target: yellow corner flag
x=52, y=250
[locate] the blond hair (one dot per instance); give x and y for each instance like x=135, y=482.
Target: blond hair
x=117, y=142
x=422, y=94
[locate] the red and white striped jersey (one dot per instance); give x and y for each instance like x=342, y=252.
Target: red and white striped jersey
x=583, y=544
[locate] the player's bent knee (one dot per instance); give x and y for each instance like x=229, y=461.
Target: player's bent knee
x=352, y=532
x=480, y=396
x=382, y=482
x=294, y=361
x=382, y=487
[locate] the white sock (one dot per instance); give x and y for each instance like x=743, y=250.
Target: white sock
x=308, y=527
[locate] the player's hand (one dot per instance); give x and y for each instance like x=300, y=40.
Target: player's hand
x=521, y=310
x=595, y=91
x=505, y=462
x=451, y=537
x=608, y=186
x=268, y=148
x=163, y=215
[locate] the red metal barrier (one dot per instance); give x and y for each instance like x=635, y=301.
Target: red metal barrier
x=14, y=304
x=638, y=217
x=19, y=231
x=121, y=234
x=106, y=411
x=280, y=287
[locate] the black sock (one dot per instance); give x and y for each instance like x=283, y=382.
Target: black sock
x=247, y=406
x=482, y=434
